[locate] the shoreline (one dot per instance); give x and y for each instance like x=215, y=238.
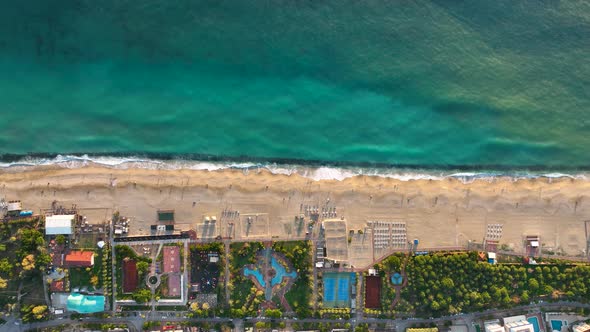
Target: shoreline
x=309, y=169
x=446, y=212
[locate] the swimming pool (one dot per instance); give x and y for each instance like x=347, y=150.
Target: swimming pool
x=85, y=304
x=535, y=322
x=556, y=325
x=280, y=272
x=256, y=274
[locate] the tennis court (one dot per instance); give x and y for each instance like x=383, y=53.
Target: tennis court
x=337, y=289
x=372, y=292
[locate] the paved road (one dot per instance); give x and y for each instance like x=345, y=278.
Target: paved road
x=136, y=323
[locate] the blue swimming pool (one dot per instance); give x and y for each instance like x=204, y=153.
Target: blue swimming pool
x=535, y=322
x=85, y=304
x=256, y=274
x=280, y=272
x=397, y=279
x=556, y=325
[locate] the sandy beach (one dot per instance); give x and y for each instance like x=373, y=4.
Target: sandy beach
x=437, y=212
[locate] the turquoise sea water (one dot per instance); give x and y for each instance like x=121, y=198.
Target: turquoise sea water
x=423, y=83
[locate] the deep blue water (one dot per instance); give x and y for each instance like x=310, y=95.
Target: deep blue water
x=431, y=84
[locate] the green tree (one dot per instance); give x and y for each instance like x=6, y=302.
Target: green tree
x=5, y=266
x=43, y=259
x=525, y=297
x=3, y=283
x=31, y=239
x=142, y=295
x=60, y=239
x=435, y=305
x=448, y=283
x=273, y=313
x=533, y=285
x=142, y=267
x=547, y=290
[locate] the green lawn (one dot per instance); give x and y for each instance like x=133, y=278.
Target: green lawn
x=299, y=254
x=241, y=255
x=80, y=277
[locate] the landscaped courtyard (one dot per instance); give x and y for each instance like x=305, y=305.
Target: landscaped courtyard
x=265, y=275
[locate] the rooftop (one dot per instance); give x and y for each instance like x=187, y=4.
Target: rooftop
x=79, y=259
x=582, y=327
x=57, y=286
x=59, y=224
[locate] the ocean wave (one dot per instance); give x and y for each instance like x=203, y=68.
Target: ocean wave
x=317, y=173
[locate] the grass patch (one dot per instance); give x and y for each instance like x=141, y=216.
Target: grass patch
x=244, y=297
x=299, y=254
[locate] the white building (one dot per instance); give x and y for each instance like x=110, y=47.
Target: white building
x=14, y=206
x=519, y=326
x=493, y=327
x=59, y=224
x=582, y=327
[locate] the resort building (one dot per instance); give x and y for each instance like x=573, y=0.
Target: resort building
x=532, y=245
x=492, y=257
x=59, y=224
x=582, y=327
x=57, y=286
x=518, y=324
x=493, y=326
x=79, y=259
x=13, y=208
x=458, y=328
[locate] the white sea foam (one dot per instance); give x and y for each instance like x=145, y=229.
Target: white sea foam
x=312, y=172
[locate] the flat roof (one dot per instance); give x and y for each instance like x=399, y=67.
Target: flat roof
x=512, y=319
x=59, y=224
x=493, y=327
x=14, y=206
x=458, y=328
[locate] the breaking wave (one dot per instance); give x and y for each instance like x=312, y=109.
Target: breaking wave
x=312, y=170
